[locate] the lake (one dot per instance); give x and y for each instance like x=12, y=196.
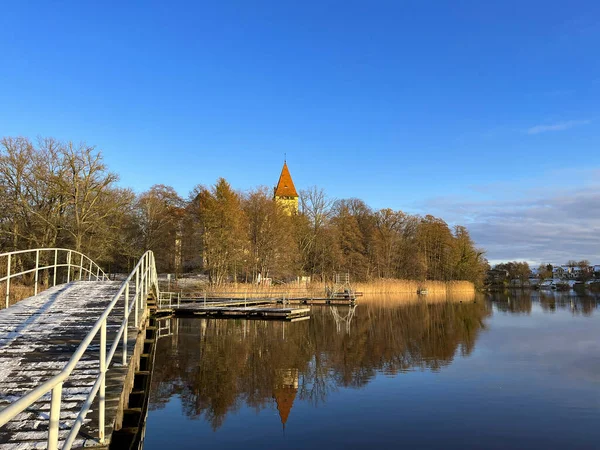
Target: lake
x=519, y=370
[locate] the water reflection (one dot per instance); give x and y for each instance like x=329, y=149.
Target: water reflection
x=522, y=301
x=217, y=366
x=513, y=370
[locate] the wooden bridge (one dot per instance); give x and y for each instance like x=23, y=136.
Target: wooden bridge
x=68, y=355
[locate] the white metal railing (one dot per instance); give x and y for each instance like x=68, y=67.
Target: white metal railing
x=168, y=299
x=74, y=261
x=145, y=278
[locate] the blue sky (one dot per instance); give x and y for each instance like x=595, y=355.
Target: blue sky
x=478, y=112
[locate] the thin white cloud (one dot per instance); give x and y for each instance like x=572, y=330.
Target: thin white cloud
x=560, y=126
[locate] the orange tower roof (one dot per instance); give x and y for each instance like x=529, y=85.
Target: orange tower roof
x=285, y=186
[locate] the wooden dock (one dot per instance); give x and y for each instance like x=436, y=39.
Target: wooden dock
x=239, y=301
x=248, y=312
x=38, y=336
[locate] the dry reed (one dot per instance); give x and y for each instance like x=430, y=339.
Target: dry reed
x=391, y=286
x=407, y=298
x=377, y=287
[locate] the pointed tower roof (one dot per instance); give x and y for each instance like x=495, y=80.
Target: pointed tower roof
x=285, y=186
x=284, y=397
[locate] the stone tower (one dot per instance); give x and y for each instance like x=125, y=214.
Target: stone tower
x=285, y=192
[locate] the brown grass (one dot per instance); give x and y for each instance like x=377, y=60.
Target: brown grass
x=18, y=292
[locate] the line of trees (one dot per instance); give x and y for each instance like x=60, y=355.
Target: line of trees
x=61, y=194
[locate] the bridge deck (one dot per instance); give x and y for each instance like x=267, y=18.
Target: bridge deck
x=38, y=336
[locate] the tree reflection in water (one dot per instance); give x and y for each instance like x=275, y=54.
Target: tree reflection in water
x=216, y=366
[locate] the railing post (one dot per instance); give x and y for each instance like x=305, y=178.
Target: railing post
x=37, y=265
x=55, y=266
x=80, y=267
x=69, y=267
x=102, y=394
x=137, y=295
x=90, y=271
x=8, y=279
x=98, y=274
x=126, y=320
x=54, y=416
x=154, y=274
x=146, y=281
x=142, y=284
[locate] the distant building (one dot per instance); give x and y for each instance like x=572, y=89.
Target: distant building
x=285, y=191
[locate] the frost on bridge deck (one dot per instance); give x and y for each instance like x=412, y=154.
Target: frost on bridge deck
x=38, y=336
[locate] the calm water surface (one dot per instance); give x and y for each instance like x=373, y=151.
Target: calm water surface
x=518, y=371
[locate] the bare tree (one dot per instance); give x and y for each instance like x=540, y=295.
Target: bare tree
x=159, y=213
x=86, y=185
